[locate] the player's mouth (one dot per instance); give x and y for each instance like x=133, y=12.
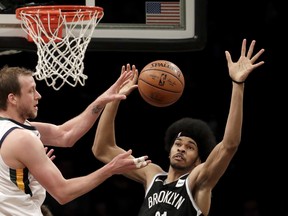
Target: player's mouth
x=178, y=156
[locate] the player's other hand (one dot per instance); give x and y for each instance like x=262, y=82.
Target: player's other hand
x=123, y=163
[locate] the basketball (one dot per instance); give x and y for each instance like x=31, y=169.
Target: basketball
x=161, y=83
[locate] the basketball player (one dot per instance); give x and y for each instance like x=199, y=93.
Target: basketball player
x=196, y=162
x=26, y=168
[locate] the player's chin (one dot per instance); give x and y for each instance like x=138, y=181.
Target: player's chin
x=33, y=114
x=177, y=162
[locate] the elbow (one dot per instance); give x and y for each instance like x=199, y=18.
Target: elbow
x=62, y=199
x=69, y=145
x=63, y=142
x=97, y=152
x=62, y=192
x=68, y=141
x=233, y=146
x=232, y=142
x=232, y=149
x=106, y=153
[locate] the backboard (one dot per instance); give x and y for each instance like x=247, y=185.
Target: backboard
x=129, y=25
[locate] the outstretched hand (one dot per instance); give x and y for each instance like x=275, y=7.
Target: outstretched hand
x=113, y=93
x=130, y=84
x=241, y=69
x=123, y=163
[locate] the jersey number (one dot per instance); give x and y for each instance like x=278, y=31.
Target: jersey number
x=159, y=214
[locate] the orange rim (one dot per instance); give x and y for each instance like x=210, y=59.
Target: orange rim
x=68, y=10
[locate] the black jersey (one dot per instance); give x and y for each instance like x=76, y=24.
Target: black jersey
x=173, y=199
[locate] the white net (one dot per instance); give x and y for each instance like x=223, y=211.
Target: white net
x=61, y=44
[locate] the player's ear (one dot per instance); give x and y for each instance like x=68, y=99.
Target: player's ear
x=12, y=98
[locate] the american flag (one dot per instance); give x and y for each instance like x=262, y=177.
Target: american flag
x=164, y=13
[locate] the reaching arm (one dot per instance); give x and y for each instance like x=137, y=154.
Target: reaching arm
x=104, y=146
x=205, y=176
x=67, y=134
x=23, y=149
x=219, y=159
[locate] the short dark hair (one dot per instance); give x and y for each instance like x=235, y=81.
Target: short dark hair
x=196, y=129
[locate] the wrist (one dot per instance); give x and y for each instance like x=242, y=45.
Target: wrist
x=237, y=82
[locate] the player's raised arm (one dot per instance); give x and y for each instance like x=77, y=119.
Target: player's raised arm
x=68, y=133
x=220, y=157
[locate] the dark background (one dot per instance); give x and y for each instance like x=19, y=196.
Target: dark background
x=258, y=170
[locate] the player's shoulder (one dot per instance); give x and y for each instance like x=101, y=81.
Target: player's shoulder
x=196, y=170
x=193, y=177
x=20, y=136
x=153, y=171
x=18, y=146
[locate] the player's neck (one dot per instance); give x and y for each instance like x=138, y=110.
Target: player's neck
x=9, y=115
x=174, y=176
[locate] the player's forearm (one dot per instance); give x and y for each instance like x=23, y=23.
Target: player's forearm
x=81, y=124
x=76, y=187
x=105, y=132
x=233, y=129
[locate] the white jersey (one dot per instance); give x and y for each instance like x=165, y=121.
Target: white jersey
x=20, y=193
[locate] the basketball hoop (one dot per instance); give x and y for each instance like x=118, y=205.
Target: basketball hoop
x=61, y=34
